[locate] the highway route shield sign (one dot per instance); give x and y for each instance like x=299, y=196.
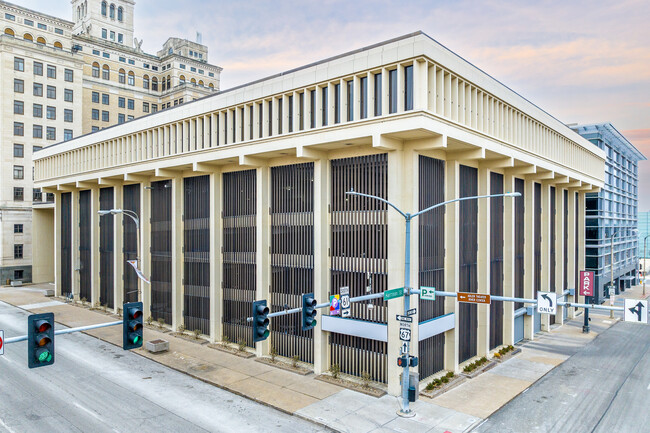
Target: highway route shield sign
x=405, y=334
x=547, y=302
x=636, y=310
x=345, y=301
x=2, y=342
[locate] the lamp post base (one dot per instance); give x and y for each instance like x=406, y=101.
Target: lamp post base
x=409, y=414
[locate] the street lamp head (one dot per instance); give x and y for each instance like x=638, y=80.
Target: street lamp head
x=512, y=194
x=103, y=212
x=110, y=211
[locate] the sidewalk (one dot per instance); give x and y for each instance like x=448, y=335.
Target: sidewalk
x=455, y=411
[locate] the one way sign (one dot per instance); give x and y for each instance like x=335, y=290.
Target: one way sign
x=547, y=302
x=636, y=311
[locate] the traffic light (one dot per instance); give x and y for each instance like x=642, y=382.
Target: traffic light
x=40, y=340
x=308, y=311
x=402, y=361
x=260, y=321
x=132, y=326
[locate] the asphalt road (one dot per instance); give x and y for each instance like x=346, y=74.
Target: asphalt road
x=604, y=387
x=96, y=387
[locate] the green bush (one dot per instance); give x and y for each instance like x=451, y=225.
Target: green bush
x=241, y=345
x=450, y=374
x=335, y=369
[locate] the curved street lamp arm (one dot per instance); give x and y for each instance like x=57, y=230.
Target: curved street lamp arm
x=353, y=192
x=508, y=194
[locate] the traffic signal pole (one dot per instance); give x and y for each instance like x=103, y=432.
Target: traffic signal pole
x=65, y=331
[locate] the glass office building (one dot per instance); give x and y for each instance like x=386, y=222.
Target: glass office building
x=611, y=214
x=644, y=231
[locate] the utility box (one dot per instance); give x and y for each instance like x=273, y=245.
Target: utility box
x=414, y=385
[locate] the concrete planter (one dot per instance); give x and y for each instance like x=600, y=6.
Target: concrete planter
x=156, y=346
x=16, y=283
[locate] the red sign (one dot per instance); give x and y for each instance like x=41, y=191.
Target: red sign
x=586, y=283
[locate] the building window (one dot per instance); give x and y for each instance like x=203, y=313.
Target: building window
x=154, y=108
x=131, y=79
x=19, y=172
x=120, y=118
x=18, y=228
x=350, y=88
x=95, y=114
x=105, y=99
x=19, y=64
x=19, y=129
x=182, y=66
x=112, y=11
x=51, y=71
x=96, y=52
x=18, y=193
x=19, y=151
x=67, y=134
x=337, y=103
x=145, y=107
x=19, y=107
x=121, y=76
x=104, y=34
x=50, y=113
x=41, y=26
x=392, y=91
x=154, y=84
x=112, y=35
x=324, y=104
x=363, y=83
x=38, y=110
x=95, y=70
x=95, y=97
x=58, y=31
x=104, y=5
x=105, y=117
x=68, y=95
x=51, y=92
x=19, y=86
x=121, y=102
x=106, y=72
x=193, y=69
x=67, y=115
x=131, y=105
x=36, y=148
x=10, y=17
x=68, y=75
x=95, y=128
x=37, y=194
x=378, y=94
x=38, y=68
x=120, y=14
x=38, y=89
x=145, y=82
x=408, y=87
x=28, y=22
x=51, y=133
x=37, y=131
x=312, y=108
x=120, y=38
x=18, y=251
x=129, y=118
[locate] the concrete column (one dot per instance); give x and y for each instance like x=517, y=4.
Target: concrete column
x=192, y=141
x=222, y=128
x=94, y=246
x=560, y=260
x=285, y=114
x=571, y=252
x=296, y=111
x=76, y=259
x=177, y=252
x=483, y=261
x=247, y=121
x=57, y=243
x=509, y=260
x=452, y=232
x=529, y=258
x=216, y=301
x=545, y=285
x=145, y=245
x=118, y=252
x=265, y=119
x=420, y=85
x=384, y=92
x=263, y=243
x=321, y=260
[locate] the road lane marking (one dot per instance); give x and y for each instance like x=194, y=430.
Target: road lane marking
x=90, y=412
x=6, y=427
x=40, y=305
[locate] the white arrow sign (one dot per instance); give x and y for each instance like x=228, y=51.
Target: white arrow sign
x=547, y=302
x=636, y=310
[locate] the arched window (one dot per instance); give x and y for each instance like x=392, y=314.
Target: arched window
x=154, y=84
x=28, y=37
x=83, y=11
x=145, y=82
x=106, y=72
x=121, y=74
x=201, y=83
x=40, y=40
x=104, y=8
x=169, y=82
x=78, y=13
x=211, y=86
x=131, y=78
x=182, y=79
x=112, y=11
x=96, y=70
x=120, y=14
x=193, y=81
x=9, y=32
x=58, y=45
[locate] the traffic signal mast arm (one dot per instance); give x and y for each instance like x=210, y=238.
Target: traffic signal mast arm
x=65, y=331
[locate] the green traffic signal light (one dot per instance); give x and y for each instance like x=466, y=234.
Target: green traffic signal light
x=132, y=326
x=40, y=340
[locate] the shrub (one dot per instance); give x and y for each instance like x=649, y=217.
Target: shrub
x=83, y=301
x=149, y=320
x=294, y=360
x=197, y=334
x=450, y=374
x=241, y=345
x=430, y=386
x=274, y=353
x=161, y=322
x=365, y=377
x=181, y=329
x=335, y=369
x=225, y=340
x=444, y=379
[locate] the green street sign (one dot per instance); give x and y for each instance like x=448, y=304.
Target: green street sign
x=393, y=293
x=428, y=293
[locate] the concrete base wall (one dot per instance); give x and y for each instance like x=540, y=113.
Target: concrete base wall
x=8, y=273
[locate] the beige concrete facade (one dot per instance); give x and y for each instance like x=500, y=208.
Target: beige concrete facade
x=430, y=103
x=54, y=94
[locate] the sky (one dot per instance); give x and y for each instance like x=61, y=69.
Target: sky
x=581, y=61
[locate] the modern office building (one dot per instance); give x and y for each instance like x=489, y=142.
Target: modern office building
x=62, y=79
x=644, y=230
x=612, y=212
x=242, y=196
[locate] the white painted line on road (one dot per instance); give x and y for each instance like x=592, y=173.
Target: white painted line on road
x=6, y=427
x=40, y=305
x=90, y=412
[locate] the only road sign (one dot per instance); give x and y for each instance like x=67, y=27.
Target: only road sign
x=2, y=342
x=473, y=298
x=547, y=302
x=636, y=310
x=428, y=293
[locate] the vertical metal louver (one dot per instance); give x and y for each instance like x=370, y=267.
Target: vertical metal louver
x=239, y=247
x=85, y=262
x=131, y=202
x=431, y=251
x=106, y=249
x=496, y=260
x=552, y=247
x=359, y=251
x=66, y=243
x=161, y=250
x=292, y=255
x=196, y=276
x=520, y=208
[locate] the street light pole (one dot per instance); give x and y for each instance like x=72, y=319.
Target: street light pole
x=405, y=411
x=645, y=255
x=611, y=263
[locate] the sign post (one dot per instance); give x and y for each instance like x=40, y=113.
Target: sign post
x=586, y=290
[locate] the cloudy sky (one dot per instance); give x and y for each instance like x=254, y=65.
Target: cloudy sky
x=582, y=61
